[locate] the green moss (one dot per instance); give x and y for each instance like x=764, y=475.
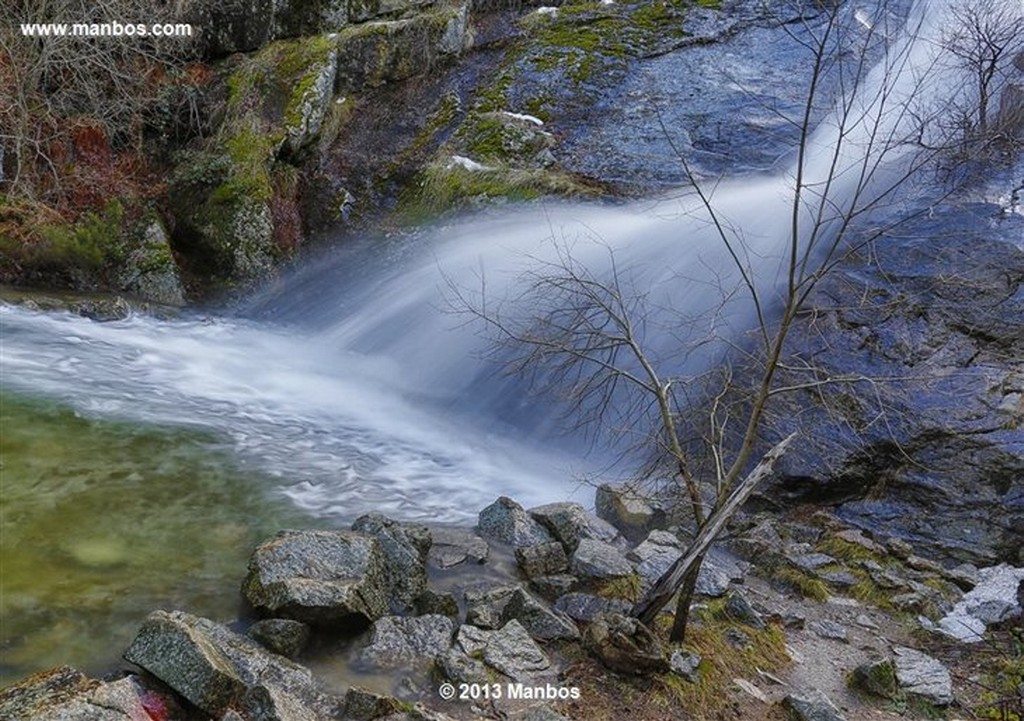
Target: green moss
x=441, y=187
x=846, y=551
x=877, y=679
x=92, y=243
x=802, y=582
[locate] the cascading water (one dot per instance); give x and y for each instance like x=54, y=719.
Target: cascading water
x=370, y=396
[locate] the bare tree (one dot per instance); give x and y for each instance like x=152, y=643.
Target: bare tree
x=50, y=84
x=983, y=36
x=593, y=334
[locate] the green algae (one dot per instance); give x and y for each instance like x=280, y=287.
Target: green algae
x=105, y=521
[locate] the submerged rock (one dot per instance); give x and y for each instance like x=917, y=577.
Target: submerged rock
x=453, y=546
x=324, y=578
x=281, y=635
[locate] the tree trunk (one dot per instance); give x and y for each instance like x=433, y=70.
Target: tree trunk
x=682, y=618
x=662, y=591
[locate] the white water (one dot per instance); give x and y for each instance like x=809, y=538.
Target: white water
x=380, y=401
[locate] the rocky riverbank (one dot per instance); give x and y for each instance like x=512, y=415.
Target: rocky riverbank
x=526, y=617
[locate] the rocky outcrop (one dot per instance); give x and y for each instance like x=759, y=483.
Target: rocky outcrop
x=336, y=579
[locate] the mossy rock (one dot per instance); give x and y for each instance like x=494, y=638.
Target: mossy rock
x=877, y=679
x=150, y=271
x=375, y=53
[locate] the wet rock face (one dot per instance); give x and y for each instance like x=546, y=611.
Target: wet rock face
x=405, y=548
x=324, y=578
x=939, y=310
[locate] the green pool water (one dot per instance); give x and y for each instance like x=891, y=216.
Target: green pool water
x=103, y=521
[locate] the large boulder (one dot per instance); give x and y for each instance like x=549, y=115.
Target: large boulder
x=324, y=578
x=508, y=522
x=569, y=523
x=405, y=548
x=215, y=668
x=624, y=644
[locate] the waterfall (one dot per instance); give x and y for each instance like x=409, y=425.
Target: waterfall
x=353, y=383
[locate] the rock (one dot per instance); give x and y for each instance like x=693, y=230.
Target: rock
x=65, y=694
x=472, y=640
x=215, y=668
x=737, y=638
x=363, y=10
x=324, y=578
x=857, y=538
x=459, y=667
x=655, y=555
x=452, y=546
x=865, y=621
x=586, y=607
x=829, y=629
x=899, y=548
x=283, y=636
x=921, y=675
x=569, y=523
x=739, y=609
x=542, y=559
x=535, y=713
x=405, y=548
x=685, y=664
x=750, y=689
x=964, y=575
x=294, y=18
x=625, y=645
x=363, y=705
x=994, y=599
x=397, y=642
x=373, y=53
x=485, y=605
x=811, y=561
x=877, y=678
x=512, y=651
x=433, y=603
x=628, y=511
x=308, y=110
x=598, y=561
x=507, y=522
x=540, y=622
x=811, y=706
x=923, y=564
x=150, y=271
x=552, y=587
x=841, y=578
x=712, y=582
x=232, y=27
